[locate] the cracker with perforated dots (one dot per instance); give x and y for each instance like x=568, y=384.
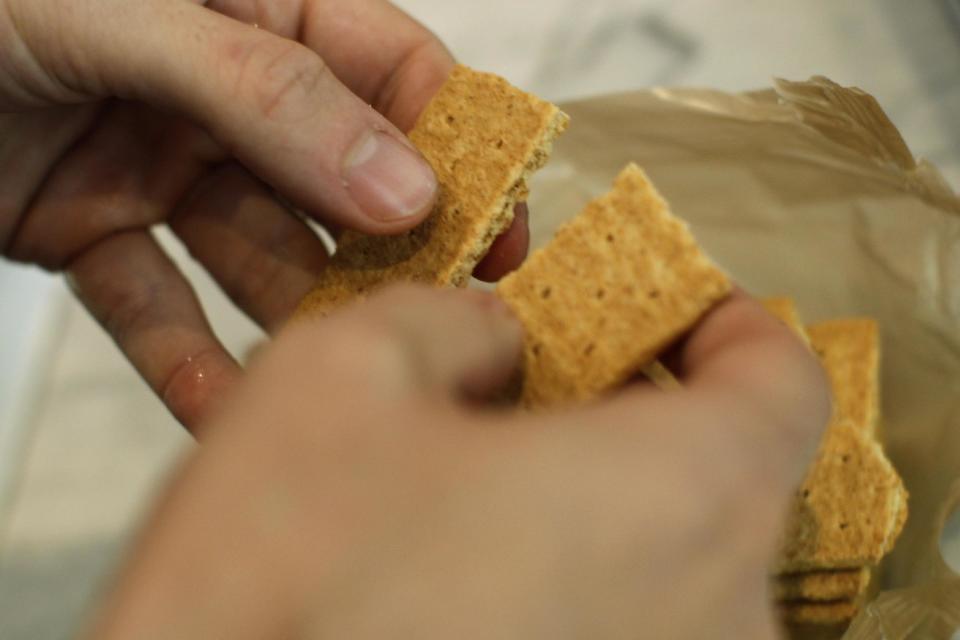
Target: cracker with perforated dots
x=616, y=286
x=484, y=139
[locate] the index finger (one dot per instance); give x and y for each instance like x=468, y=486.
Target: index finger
x=739, y=345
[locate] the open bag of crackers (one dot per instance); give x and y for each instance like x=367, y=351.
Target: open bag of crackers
x=808, y=197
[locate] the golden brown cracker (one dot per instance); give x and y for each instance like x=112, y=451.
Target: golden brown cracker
x=483, y=138
x=819, y=613
x=847, y=512
x=849, y=349
x=616, y=286
x=821, y=585
x=786, y=311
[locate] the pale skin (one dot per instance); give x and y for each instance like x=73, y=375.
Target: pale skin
x=352, y=490
x=119, y=115
x=353, y=484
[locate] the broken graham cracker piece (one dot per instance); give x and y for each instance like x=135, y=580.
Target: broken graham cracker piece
x=816, y=586
x=786, y=311
x=484, y=139
x=849, y=349
x=849, y=510
x=616, y=286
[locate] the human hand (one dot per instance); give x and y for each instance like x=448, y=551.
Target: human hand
x=356, y=491
x=117, y=115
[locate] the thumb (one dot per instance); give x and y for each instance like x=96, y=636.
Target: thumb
x=272, y=102
x=762, y=380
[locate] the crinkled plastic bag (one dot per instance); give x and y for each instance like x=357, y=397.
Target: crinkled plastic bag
x=808, y=190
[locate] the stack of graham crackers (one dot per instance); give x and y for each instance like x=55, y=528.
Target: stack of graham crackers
x=852, y=505
x=615, y=287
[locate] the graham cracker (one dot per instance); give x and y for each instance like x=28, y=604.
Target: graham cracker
x=807, y=621
x=483, y=138
x=786, y=311
x=849, y=349
x=615, y=287
x=850, y=508
x=836, y=612
x=818, y=586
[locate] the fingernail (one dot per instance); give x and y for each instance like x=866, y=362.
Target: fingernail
x=386, y=179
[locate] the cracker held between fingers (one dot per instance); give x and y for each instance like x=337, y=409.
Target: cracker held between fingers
x=616, y=286
x=484, y=139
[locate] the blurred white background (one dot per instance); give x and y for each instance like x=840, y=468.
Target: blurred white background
x=83, y=443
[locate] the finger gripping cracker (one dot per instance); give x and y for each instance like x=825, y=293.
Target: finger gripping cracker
x=483, y=138
x=615, y=286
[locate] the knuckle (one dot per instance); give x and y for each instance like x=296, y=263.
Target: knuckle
x=128, y=310
x=283, y=78
x=407, y=293
x=412, y=307
x=254, y=280
x=734, y=469
x=383, y=345
x=358, y=353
